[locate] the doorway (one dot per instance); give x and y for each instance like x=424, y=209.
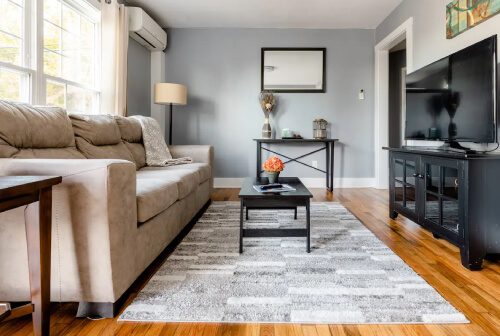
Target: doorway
x=400, y=34
x=397, y=94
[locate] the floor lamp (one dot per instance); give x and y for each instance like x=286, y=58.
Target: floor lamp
x=170, y=94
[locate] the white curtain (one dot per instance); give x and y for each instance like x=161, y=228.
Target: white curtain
x=114, y=50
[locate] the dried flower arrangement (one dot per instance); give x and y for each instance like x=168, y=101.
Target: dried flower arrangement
x=267, y=101
x=273, y=165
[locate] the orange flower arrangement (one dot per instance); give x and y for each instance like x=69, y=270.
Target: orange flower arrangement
x=273, y=165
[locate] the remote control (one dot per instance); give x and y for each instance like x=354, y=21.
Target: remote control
x=271, y=186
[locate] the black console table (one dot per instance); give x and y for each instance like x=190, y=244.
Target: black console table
x=329, y=148
x=453, y=195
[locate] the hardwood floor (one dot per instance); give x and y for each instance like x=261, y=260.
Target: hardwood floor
x=476, y=294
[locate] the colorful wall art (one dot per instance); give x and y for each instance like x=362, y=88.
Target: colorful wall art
x=462, y=15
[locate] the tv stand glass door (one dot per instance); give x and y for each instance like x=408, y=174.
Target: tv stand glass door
x=405, y=168
x=441, y=197
x=429, y=190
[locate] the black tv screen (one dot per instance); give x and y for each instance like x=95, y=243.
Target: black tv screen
x=454, y=99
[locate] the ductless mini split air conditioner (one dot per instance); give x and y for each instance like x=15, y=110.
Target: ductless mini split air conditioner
x=145, y=30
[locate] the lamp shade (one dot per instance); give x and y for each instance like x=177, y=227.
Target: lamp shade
x=170, y=93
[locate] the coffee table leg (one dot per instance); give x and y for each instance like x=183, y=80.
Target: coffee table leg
x=308, y=215
x=241, y=225
x=247, y=213
x=295, y=213
x=38, y=234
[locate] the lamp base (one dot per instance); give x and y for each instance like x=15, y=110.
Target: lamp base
x=170, y=126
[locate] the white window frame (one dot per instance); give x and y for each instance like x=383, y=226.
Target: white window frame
x=32, y=50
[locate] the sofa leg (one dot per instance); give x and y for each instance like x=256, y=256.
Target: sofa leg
x=97, y=310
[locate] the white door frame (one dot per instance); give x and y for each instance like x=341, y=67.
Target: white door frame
x=405, y=31
x=403, y=105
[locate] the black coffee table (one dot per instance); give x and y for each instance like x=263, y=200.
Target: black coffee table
x=252, y=200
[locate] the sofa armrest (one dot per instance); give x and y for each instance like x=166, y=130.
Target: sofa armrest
x=54, y=167
x=200, y=154
x=94, y=224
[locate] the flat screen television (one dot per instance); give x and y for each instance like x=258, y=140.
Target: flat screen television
x=454, y=99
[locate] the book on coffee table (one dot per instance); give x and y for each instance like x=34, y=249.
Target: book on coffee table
x=283, y=188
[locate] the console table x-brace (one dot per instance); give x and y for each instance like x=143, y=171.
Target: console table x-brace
x=329, y=148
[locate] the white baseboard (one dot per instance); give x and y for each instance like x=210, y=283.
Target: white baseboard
x=220, y=182
x=340, y=182
x=346, y=182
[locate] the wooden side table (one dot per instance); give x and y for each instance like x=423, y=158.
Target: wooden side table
x=16, y=191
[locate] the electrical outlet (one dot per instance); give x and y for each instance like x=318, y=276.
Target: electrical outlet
x=315, y=164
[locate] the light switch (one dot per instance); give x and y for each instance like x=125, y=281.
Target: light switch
x=362, y=95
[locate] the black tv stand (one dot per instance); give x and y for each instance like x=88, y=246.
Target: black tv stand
x=453, y=195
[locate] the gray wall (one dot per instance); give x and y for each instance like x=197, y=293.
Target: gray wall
x=221, y=68
x=397, y=61
x=139, y=80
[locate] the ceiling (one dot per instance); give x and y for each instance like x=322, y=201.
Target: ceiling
x=327, y=14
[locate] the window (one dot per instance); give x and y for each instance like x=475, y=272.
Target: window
x=14, y=85
x=65, y=72
x=15, y=72
x=12, y=31
x=69, y=57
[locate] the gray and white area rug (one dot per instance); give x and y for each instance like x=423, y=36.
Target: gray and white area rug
x=350, y=276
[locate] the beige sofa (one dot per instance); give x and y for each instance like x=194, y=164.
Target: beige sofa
x=112, y=215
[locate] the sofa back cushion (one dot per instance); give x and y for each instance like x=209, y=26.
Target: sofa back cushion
x=131, y=133
x=100, y=137
x=130, y=129
x=98, y=130
x=138, y=152
x=116, y=151
x=28, y=131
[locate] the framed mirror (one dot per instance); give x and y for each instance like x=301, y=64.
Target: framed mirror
x=298, y=70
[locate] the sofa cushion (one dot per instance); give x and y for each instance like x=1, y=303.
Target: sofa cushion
x=131, y=134
x=27, y=126
x=130, y=129
x=98, y=130
x=40, y=153
x=6, y=150
x=204, y=170
x=154, y=195
x=36, y=132
x=187, y=180
x=138, y=152
x=117, y=151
